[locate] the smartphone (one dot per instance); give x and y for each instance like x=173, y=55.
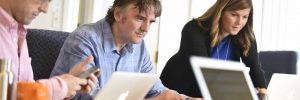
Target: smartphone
x=91, y=70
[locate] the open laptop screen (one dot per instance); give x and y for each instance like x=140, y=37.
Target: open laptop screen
x=223, y=80
x=226, y=84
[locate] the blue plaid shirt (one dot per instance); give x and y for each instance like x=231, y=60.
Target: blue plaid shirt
x=96, y=39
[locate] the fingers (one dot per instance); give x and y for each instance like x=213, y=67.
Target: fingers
x=93, y=78
x=195, y=99
x=74, y=84
x=86, y=61
x=261, y=90
x=182, y=97
x=81, y=81
x=88, y=88
x=80, y=68
x=91, y=83
x=76, y=87
x=98, y=73
x=175, y=95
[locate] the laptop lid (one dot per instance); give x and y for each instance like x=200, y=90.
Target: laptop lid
x=127, y=86
x=284, y=87
x=223, y=80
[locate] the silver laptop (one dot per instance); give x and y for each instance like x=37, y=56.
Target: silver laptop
x=284, y=87
x=127, y=86
x=223, y=80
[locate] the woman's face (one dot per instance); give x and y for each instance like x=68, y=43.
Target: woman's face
x=233, y=21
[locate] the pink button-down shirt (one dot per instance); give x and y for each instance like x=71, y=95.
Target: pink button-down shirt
x=13, y=45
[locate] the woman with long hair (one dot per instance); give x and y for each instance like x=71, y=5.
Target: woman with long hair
x=225, y=32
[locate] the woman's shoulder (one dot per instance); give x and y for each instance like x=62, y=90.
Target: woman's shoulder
x=192, y=23
x=193, y=26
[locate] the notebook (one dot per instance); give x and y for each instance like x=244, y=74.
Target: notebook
x=284, y=87
x=223, y=80
x=127, y=86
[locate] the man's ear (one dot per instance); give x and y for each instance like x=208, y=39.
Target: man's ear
x=117, y=14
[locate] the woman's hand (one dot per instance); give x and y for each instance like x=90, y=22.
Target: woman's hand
x=261, y=90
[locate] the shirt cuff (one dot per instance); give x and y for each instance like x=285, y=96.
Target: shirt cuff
x=57, y=88
x=59, y=92
x=64, y=89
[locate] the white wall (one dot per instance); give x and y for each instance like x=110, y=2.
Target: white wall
x=52, y=20
x=94, y=10
x=280, y=28
x=62, y=15
x=70, y=15
x=175, y=13
x=198, y=7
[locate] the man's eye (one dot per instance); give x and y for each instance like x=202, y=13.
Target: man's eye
x=140, y=18
x=43, y=1
x=234, y=14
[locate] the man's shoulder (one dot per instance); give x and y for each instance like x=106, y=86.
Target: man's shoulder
x=86, y=28
x=91, y=29
x=87, y=32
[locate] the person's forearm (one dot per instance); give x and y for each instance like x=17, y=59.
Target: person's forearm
x=57, y=88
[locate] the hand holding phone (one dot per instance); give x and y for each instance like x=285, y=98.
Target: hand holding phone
x=93, y=80
x=92, y=70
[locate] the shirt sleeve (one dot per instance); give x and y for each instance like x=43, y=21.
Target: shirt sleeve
x=158, y=87
x=256, y=72
x=76, y=48
x=57, y=88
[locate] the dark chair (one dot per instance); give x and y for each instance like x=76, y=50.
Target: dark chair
x=278, y=62
x=44, y=47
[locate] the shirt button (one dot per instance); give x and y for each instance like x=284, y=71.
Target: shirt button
x=14, y=39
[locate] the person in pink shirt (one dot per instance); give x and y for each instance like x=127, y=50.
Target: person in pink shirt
x=14, y=14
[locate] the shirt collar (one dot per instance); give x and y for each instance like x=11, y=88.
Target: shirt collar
x=109, y=43
x=9, y=22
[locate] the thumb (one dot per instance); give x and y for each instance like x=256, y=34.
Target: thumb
x=80, y=68
x=82, y=81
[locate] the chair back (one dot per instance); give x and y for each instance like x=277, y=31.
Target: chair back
x=44, y=47
x=278, y=62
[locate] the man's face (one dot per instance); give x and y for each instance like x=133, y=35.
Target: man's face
x=133, y=25
x=24, y=11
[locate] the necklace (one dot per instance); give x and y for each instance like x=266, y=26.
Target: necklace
x=226, y=50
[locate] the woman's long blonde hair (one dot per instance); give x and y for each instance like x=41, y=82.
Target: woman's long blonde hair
x=244, y=38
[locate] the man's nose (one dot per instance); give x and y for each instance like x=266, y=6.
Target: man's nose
x=145, y=26
x=44, y=7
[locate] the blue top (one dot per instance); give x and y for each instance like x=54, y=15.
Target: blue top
x=96, y=39
x=223, y=50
